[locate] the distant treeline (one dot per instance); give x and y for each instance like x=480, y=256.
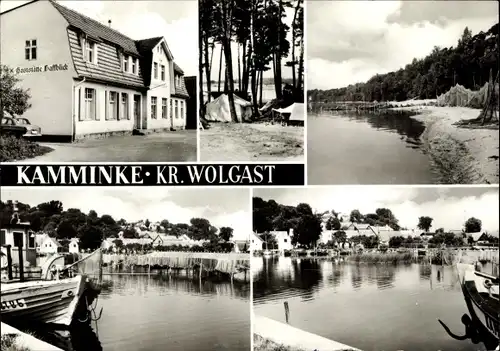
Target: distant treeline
x=266, y=81
x=468, y=64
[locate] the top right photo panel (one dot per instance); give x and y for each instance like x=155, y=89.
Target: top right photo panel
x=402, y=92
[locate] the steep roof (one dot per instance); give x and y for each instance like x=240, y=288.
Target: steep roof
x=178, y=69
x=96, y=30
x=147, y=44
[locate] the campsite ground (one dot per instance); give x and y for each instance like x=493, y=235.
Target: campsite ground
x=465, y=154
x=251, y=142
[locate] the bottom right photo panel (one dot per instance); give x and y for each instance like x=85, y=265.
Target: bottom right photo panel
x=375, y=268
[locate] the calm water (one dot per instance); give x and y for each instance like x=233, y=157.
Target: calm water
x=268, y=92
x=365, y=148
x=371, y=307
x=152, y=313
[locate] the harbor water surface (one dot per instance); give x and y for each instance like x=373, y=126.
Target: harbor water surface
x=366, y=148
x=161, y=312
x=367, y=306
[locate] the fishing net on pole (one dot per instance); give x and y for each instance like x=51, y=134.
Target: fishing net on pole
x=461, y=96
x=89, y=265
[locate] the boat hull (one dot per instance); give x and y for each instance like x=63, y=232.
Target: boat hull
x=485, y=319
x=52, y=301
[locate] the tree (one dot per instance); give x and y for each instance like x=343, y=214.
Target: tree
x=470, y=240
x=226, y=233
x=473, y=225
x=130, y=233
x=356, y=216
x=201, y=229
x=269, y=241
x=424, y=223
x=65, y=230
x=15, y=100
x=307, y=231
x=333, y=223
x=340, y=236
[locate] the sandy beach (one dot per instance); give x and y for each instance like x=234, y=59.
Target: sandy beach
x=463, y=155
x=241, y=142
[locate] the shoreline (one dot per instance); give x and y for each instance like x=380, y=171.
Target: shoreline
x=461, y=155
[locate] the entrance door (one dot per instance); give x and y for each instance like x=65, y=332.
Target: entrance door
x=137, y=111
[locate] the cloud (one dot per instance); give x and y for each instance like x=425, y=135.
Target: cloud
x=449, y=208
x=222, y=207
x=365, y=38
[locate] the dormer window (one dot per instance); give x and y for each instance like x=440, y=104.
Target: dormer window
x=155, y=70
x=90, y=52
x=162, y=72
x=125, y=64
x=134, y=65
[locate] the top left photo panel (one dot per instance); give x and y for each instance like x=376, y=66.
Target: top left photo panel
x=99, y=81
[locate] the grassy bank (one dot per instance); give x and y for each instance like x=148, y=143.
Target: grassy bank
x=251, y=142
x=14, y=149
x=8, y=343
x=378, y=257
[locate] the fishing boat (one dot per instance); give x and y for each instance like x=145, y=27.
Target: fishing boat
x=481, y=294
x=44, y=301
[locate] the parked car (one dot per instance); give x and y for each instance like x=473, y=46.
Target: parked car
x=8, y=126
x=31, y=129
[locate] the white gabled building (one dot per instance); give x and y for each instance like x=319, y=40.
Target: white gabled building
x=255, y=242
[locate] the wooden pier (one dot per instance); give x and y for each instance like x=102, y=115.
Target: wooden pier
x=287, y=335
x=22, y=339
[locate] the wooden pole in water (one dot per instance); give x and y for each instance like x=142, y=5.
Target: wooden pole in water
x=9, y=261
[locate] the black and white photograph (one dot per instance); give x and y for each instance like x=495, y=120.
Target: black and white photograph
x=402, y=92
x=125, y=269
x=98, y=81
x=375, y=268
x=251, y=80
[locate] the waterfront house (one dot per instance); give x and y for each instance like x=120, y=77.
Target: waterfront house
x=241, y=246
x=86, y=78
x=256, y=243
x=50, y=246
x=283, y=239
x=74, y=245
x=18, y=235
x=479, y=238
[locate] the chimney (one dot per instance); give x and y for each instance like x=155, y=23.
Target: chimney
x=109, y=23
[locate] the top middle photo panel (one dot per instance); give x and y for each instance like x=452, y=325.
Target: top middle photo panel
x=402, y=92
x=251, y=80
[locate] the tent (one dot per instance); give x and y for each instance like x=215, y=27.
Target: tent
x=218, y=110
x=293, y=114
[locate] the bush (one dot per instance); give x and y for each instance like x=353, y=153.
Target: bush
x=14, y=149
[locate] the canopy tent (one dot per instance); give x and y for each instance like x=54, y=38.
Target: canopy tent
x=218, y=110
x=292, y=113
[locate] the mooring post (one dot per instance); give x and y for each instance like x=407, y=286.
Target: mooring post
x=9, y=261
x=287, y=311
x=201, y=268
x=21, y=263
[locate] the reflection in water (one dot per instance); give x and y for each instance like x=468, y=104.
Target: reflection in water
x=79, y=338
x=328, y=299
x=383, y=148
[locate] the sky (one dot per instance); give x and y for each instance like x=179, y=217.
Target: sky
x=222, y=207
x=350, y=41
x=177, y=21
x=450, y=207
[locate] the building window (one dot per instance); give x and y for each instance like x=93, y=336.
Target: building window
x=164, y=108
x=171, y=109
x=176, y=109
x=153, y=107
x=90, y=104
x=2, y=237
x=155, y=70
x=90, y=52
x=124, y=109
x=162, y=72
x=125, y=63
x=31, y=241
x=182, y=109
x=134, y=65
x=30, y=50
x=113, y=105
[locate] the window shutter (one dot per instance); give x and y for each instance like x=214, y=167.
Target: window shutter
x=79, y=104
x=96, y=102
x=106, y=105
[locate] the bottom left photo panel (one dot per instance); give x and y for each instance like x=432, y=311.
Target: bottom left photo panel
x=125, y=269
